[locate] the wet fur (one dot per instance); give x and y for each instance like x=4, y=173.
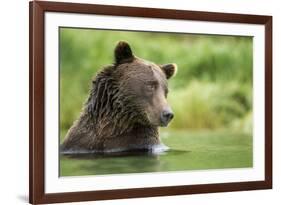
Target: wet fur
x=110, y=120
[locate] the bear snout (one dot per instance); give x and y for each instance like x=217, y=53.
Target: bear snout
x=166, y=116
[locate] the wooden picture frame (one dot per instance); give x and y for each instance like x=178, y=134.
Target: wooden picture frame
x=37, y=10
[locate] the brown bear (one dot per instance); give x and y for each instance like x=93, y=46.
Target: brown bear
x=125, y=107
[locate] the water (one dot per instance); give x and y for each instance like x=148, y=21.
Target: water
x=196, y=151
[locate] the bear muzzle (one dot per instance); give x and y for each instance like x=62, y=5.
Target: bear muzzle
x=166, y=116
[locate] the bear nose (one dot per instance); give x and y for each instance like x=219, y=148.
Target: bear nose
x=166, y=116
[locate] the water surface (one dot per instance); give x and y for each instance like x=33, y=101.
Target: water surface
x=188, y=151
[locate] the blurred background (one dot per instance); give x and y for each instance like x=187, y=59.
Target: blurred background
x=212, y=89
x=211, y=95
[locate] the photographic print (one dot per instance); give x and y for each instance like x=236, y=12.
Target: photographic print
x=133, y=102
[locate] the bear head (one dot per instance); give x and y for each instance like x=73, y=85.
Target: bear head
x=144, y=86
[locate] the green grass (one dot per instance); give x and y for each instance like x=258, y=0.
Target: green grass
x=208, y=105
x=189, y=151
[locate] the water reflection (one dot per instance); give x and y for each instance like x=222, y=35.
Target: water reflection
x=124, y=162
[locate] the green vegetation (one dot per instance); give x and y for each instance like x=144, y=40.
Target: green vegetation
x=211, y=96
x=210, y=105
x=212, y=89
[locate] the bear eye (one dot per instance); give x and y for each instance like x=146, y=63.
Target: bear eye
x=151, y=86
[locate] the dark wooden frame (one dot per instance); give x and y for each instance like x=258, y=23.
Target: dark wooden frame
x=36, y=101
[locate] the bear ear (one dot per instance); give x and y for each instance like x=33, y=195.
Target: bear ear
x=169, y=69
x=123, y=52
